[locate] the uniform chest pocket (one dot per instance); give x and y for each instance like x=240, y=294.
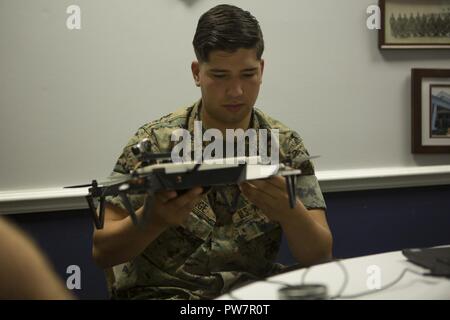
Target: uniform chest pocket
x=258, y=241
x=253, y=225
x=172, y=248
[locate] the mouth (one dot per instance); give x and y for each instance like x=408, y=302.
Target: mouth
x=234, y=107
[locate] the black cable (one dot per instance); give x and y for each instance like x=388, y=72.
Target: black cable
x=346, y=278
x=302, y=281
x=364, y=293
x=256, y=279
x=343, y=286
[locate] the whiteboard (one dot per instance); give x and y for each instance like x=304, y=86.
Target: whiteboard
x=71, y=99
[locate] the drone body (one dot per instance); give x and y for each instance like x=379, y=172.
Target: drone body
x=154, y=173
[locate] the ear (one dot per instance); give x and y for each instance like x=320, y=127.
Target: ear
x=262, y=70
x=195, y=68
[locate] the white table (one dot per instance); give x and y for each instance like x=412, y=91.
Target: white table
x=360, y=270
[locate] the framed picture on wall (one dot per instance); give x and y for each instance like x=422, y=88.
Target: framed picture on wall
x=414, y=24
x=430, y=121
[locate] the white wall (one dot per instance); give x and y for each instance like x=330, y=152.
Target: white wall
x=69, y=100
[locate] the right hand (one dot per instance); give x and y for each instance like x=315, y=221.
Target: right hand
x=170, y=209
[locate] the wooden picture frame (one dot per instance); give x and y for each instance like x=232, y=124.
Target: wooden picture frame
x=430, y=118
x=414, y=24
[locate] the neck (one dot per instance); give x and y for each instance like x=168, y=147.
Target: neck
x=208, y=122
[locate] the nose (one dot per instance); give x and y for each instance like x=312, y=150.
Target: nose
x=234, y=89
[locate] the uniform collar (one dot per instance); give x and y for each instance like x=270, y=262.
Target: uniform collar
x=196, y=116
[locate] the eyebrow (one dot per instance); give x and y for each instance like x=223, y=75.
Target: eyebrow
x=224, y=70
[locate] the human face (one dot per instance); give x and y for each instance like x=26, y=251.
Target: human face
x=229, y=83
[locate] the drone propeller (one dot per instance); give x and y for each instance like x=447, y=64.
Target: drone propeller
x=106, y=183
x=309, y=158
x=299, y=160
x=79, y=186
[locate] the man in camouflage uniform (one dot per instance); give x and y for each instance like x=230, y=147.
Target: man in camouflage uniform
x=193, y=247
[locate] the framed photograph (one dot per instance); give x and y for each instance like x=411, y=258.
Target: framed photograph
x=430, y=110
x=414, y=24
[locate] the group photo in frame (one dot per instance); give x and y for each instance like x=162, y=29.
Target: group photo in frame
x=414, y=24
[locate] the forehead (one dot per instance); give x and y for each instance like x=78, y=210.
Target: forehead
x=240, y=59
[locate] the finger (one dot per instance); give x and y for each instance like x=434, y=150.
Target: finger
x=267, y=188
x=256, y=196
x=165, y=196
x=190, y=205
x=278, y=181
x=184, y=212
x=184, y=199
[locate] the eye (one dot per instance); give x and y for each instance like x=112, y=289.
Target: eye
x=219, y=76
x=248, y=75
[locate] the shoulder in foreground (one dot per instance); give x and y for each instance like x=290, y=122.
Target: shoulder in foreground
x=158, y=130
x=177, y=118
x=266, y=121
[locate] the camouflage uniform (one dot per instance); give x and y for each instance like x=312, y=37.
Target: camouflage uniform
x=213, y=250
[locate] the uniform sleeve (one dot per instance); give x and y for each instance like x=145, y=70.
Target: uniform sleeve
x=126, y=162
x=308, y=188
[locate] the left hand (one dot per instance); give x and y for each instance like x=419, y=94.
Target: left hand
x=270, y=195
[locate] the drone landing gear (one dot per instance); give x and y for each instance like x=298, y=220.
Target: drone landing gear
x=99, y=220
x=291, y=189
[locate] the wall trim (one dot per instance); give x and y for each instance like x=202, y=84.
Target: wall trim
x=42, y=200
x=383, y=178
x=59, y=199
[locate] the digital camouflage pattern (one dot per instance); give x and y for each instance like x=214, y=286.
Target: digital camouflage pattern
x=214, y=249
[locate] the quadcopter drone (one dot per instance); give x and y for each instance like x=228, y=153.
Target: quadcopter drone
x=156, y=172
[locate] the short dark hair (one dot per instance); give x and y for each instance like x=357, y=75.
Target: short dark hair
x=228, y=28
